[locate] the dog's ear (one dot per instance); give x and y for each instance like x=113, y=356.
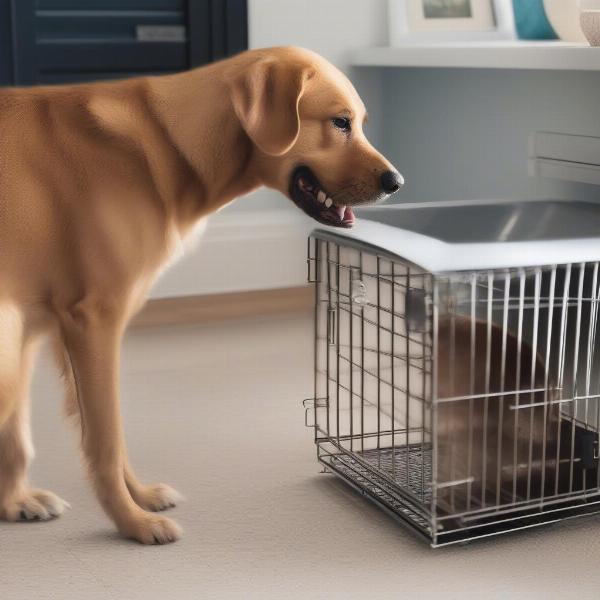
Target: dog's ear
x=265, y=98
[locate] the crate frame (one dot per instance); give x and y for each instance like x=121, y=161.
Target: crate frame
x=418, y=507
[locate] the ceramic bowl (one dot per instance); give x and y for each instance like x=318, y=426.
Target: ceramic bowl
x=564, y=18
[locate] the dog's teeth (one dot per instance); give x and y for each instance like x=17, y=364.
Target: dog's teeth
x=321, y=196
x=328, y=202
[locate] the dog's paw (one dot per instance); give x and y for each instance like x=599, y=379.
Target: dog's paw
x=153, y=529
x=156, y=497
x=33, y=505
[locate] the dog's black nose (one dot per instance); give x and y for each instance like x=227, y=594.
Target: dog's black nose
x=391, y=181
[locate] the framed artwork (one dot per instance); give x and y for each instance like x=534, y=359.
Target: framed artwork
x=450, y=15
x=449, y=20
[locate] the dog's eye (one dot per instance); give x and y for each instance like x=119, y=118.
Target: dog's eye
x=342, y=123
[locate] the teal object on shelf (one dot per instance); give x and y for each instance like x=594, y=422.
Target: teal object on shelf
x=531, y=21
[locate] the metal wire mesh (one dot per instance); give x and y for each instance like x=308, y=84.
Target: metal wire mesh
x=473, y=396
x=413, y=460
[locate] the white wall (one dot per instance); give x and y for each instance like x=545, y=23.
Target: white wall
x=463, y=133
x=329, y=27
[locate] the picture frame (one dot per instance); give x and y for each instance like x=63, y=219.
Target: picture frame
x=450, y=15
x=414, y=21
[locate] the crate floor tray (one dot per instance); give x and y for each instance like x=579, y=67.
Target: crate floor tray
x=371, y=484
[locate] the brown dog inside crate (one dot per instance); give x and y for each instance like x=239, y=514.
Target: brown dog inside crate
x=491, y=452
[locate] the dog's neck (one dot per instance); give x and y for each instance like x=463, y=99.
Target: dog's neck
x=195, y=112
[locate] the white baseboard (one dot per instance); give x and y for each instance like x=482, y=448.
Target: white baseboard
x=242, y=250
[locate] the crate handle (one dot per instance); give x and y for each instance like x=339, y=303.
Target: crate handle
x=312, y=404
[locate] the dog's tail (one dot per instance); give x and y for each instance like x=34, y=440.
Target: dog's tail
x=63, y=363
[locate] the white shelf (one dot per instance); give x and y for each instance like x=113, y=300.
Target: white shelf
x=500, y=54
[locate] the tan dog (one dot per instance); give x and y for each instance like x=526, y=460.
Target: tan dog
x=99, y=182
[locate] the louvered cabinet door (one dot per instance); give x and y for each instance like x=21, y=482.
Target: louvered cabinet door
x=63, y=41
x=6, y=44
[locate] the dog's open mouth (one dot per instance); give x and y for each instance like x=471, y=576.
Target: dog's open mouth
x=309, y=195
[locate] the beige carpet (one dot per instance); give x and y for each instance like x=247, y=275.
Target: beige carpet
x=216, y=412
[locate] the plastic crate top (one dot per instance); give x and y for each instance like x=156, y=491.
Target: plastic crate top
x=480, y=234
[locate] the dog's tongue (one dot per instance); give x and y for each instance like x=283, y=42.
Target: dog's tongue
x=348, y=216
x=343, y=215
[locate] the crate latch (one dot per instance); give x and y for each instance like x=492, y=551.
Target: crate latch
x=312, y=261
x=311, y=404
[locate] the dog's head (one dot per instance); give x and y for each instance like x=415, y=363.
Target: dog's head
x=305, y=120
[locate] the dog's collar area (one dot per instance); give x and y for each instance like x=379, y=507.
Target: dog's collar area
x=309, y=195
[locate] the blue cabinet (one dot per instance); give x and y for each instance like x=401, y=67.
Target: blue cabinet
x=62, y=41
x=6, y=44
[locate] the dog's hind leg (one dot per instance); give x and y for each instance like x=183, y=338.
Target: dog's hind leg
x=18, y=502
x=11, y=350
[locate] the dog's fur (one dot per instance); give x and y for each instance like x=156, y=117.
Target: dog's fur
x=98, y=184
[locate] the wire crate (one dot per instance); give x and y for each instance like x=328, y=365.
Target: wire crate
x=463, y=402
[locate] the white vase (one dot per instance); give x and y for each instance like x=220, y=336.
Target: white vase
x=564, y=18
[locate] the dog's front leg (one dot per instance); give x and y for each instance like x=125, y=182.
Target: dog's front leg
x=92, y=331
